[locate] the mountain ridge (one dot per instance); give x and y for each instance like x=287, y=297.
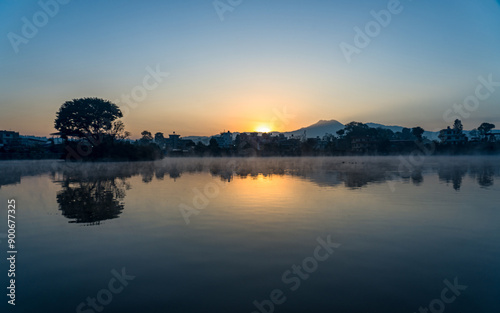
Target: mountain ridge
x=322, y=127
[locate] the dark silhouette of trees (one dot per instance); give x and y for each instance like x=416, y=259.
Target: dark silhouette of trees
x=356, y=129
x=118, y=131
x=147, y=137
x=474, y=134
x=214, y=148
x=457, y=125
x=159, y=136
x=484, y=130
x=405, y=134
x=417, y=132
x=94, y=122
x=88, y=118
x=200, y=149
x=99, y=135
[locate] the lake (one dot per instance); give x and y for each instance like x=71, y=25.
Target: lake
x=386, y=234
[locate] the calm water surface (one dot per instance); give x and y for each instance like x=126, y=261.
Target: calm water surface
x=229, y=235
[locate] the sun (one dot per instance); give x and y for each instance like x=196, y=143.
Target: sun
x=263, y=129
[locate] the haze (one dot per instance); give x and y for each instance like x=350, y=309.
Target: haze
x=264, y=57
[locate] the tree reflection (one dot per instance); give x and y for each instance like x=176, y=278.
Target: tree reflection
x=485, y=176
x=360, y=178
x=416, y=177
x=92, y=201
x=453, y=174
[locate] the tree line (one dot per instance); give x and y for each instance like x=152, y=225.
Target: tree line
x=92, y=130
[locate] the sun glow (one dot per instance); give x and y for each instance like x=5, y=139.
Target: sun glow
x=263, y=129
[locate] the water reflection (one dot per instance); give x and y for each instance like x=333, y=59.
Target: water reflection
x=256, y=229
x=360, y=178
x=452, y=174
x=94, y=192
x=416, y=177
x=455, y=174
x=352, y=172
x=10, y=179
x=91, y=201
x=484, y=175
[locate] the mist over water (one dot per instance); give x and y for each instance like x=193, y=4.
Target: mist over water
x=403, y=225
x=347, y=170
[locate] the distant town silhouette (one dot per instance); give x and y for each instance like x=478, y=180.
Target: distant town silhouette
x=90, y=129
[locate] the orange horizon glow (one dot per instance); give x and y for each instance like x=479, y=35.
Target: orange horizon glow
x=263, y=129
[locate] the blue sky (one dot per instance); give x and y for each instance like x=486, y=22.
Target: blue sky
x=266, y=56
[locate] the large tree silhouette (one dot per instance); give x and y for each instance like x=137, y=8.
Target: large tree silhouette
x=87, y=117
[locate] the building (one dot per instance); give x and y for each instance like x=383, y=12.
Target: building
x=321, y=144
x=452, y=136
x=363, y=144
x=173, y=141
x=175, y=145
x=225, y=139
x=31, y=141
x=8, y=138
x=495, y=136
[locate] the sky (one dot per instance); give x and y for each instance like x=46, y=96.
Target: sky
x=199, y=67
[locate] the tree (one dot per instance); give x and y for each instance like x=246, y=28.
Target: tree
x=147, y=137
x=118, y=131
x=457, y=125
x=384, y=134
x=356, y=129
x=406, y=134
x=214, y=147
x=418, y=132
x=485, y=129
x=474, y=134
x=159, y=137
x=87, y=118
x=200, y=149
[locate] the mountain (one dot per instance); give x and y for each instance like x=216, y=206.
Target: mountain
x=429, y=135
x=323, y=127
x=393, y=128
x=319, y=129
x=332, y=126
x=203, y=139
